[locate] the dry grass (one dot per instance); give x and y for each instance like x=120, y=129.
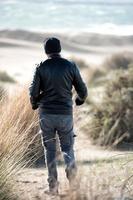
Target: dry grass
x=96, y=77
x=108, y=179
x=118, y=61
x=80, y=62
x=17, y=122
x=100, y=76
x=2, y=92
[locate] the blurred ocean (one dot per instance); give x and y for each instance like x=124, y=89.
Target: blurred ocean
x=102, y=16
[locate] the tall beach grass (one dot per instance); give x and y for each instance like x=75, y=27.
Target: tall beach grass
x=17, y=124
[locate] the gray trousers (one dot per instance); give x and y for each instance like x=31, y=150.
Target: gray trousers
x=52, y=124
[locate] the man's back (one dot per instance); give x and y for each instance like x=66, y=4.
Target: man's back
x=55, y=77
x=51, y=91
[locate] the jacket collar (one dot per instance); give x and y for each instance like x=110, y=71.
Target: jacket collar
x=54, y=55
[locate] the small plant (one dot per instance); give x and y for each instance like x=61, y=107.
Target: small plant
x=4, y=77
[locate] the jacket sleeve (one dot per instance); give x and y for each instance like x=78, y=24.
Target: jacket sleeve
x=79, y=85
x=34, y=89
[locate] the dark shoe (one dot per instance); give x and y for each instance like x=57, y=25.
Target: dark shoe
x=52, y=191
x=53, y=188
x=71, y=173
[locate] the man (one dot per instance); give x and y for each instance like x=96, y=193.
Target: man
x=51, y=91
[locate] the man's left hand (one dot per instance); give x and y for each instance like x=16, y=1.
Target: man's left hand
x=78, y=101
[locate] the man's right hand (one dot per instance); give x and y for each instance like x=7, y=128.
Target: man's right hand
x=34, y=106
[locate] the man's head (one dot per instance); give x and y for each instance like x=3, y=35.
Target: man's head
x=52, y=46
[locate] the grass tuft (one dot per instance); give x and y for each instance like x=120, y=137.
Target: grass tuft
x=18, y=131
x=4, y=77
x=118, y=61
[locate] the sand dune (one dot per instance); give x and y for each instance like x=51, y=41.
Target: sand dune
x=73, y=42
x=79, y=38
x=20, y=50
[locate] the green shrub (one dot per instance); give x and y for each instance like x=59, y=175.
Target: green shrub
x=112, y=122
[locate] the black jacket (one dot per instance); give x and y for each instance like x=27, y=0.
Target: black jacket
x=51, y=88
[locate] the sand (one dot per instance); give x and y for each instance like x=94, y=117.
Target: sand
x=20, y=51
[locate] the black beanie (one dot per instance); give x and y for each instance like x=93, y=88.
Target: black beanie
x=52, y=45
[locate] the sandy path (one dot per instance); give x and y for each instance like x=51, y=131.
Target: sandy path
x=31, y=183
